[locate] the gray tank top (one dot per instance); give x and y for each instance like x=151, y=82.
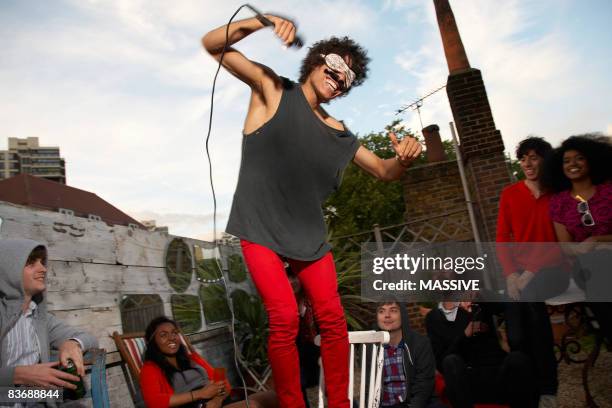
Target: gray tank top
x=289, y=167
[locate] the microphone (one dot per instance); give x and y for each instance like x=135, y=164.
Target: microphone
x=298, y=42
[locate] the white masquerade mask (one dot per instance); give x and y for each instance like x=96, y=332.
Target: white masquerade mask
x=337, y=64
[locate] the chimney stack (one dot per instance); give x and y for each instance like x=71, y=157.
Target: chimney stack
x=433, y=142
x=456, y=57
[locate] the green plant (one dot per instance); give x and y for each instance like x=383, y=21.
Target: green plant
x=237, y=271
x=252, y=329
x=178, y=265
x=186, y=311
x=214, y=302
x=357, y=311
x=208, y=269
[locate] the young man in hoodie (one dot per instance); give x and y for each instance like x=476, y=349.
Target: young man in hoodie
x=27, y=331
x=409, y=366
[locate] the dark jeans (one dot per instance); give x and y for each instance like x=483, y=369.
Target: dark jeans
x=529, y=331
x=545, y=284
x=510, y=382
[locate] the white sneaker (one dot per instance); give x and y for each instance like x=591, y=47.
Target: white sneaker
x=548, y=401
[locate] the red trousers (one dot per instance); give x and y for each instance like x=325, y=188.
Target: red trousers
x=318, y=279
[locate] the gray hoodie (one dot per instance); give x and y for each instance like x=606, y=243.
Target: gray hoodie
x=51, y=331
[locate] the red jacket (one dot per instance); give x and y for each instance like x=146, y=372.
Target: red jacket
x=156, y=391
x=523, y=218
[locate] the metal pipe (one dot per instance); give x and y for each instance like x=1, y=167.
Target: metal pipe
x=468, y=200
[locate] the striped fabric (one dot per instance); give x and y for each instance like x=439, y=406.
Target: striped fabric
x=20, y=346
x=136, y=348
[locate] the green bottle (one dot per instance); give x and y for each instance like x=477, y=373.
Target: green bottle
x=80, y=386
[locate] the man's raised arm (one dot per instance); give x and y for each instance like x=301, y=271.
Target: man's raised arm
x=249, y=72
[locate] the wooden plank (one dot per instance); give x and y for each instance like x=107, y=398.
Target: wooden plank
x=85, y=278
x=101, y=322
x=73, y=301
x=140, y=247
x=67, y=237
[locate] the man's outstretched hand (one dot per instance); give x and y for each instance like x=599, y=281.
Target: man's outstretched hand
x=407, y=150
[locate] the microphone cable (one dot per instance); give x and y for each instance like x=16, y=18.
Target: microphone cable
x=298, y=43
x=228, y=298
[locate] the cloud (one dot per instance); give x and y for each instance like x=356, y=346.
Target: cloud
x=521, y=68
x=197, y=226
x=123, y=86
x=124, y=90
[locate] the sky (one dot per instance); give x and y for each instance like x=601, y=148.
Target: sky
x=123, y=87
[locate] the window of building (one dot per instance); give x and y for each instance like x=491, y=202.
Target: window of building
x=186, y=312
x=214, y=302
x=94, y=217
x=212, y=290
x=179, y=266
x=66, y=211
x=236, y=269
x=138, y=310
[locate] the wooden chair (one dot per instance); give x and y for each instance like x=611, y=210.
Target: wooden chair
x=377, y=339
x=96, y=358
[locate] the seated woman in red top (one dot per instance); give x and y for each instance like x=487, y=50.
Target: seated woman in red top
x=173, y=377
x=580, y=173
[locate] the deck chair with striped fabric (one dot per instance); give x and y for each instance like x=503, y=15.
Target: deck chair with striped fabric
x=375, y=339
x=132, y=346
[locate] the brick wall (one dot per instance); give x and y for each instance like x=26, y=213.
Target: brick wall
x=433, y=190
x=481, y=145
x=436, y=189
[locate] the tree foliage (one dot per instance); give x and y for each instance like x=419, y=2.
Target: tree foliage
x=362, y=200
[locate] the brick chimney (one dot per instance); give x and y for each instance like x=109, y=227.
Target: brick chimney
x=435, y=150
x=453, y=47
x=481, y=143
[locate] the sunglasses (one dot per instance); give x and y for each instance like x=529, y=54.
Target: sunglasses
x=587, y=217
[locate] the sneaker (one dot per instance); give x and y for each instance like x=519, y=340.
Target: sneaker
x=548, y=401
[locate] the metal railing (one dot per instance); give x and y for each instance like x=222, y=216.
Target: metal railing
x=451, y=226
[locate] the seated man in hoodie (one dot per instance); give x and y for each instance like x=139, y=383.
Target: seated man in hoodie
x=27, y=331
x=475, y=367
x=409, y=366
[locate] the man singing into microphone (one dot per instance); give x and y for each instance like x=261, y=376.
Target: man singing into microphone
x=293, y=157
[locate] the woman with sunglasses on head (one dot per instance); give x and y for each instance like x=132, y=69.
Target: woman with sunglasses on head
x=579, y=172
x=293, y=156
x=171, y=376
